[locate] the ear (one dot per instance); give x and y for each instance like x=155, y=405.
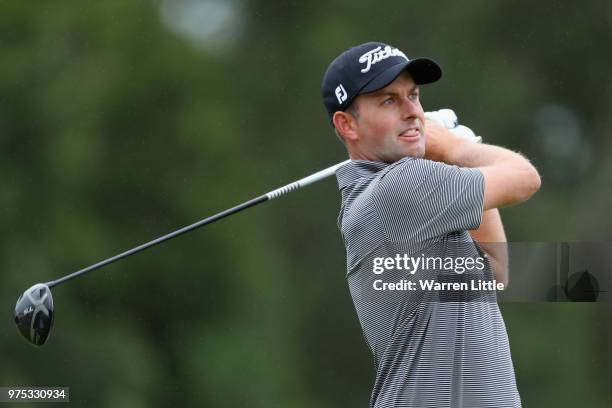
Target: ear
x=346, y=125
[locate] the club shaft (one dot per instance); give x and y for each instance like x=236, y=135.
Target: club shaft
x=247, y=204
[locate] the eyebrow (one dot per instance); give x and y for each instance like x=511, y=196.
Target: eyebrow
x=391, y=93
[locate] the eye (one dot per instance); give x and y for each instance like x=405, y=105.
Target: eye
x=388, y=101
x=414, y=96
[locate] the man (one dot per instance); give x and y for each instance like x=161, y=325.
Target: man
x=415, y=190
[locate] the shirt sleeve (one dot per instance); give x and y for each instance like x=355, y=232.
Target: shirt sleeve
x=419, y=199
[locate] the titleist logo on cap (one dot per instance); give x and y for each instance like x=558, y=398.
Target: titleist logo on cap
x=377, y=54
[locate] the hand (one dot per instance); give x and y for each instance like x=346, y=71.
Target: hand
x=444, y=117
x=448, y=119
x=439, y=141
x=466, y=133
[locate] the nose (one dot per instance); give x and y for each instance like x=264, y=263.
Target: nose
x=410, y=108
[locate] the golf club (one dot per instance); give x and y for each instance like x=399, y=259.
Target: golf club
x=34, y=310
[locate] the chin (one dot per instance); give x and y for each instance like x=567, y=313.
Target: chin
x=418, y=154
x=392, y=158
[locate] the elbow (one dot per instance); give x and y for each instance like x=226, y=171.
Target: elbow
x=535, y=182
x=500, y=272
x=511, y=184
x=502, y=275
x=531, y=182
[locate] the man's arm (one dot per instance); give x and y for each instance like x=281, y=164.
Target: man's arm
x=492, y=240
x=509, y=177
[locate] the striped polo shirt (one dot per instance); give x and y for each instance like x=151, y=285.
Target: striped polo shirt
x=431, y=348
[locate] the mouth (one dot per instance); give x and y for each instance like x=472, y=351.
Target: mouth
x=412, y=133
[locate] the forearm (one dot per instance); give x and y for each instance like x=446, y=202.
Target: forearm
x=467, y=154
x=492, y=240
x=445, y=146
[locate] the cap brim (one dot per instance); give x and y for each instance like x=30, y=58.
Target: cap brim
x=422, y=70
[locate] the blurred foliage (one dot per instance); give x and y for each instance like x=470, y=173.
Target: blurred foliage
x=115, y=129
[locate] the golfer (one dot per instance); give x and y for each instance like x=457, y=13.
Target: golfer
x=414, y=190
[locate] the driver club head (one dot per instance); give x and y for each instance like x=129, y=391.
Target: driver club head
x=34, y=314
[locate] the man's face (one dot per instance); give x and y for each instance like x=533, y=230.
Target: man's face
x=389, y=124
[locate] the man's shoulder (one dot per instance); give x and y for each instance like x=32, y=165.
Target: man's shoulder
x=406, y=174
x=421, y=184
x=418, y=163
x=413, y=171
x=408, y=163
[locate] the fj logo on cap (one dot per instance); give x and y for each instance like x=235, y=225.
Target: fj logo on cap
x=341, y=94
x=376, y=55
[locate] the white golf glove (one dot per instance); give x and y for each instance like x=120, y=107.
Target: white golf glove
x=448, y=119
